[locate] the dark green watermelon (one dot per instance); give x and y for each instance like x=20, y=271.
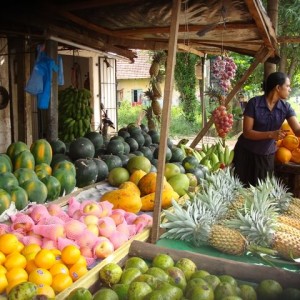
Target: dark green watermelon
x=177, y=154
x=58, y=146
x=86, y=172
x=126, y=148
x=102, y=169
x=96, y=138
x=82, y=147
x=133, y=144
x=112, y=161
x=115, y=147
x=147, y=152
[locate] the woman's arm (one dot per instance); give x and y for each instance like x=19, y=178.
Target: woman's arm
x=251, y=134
x=294, y=124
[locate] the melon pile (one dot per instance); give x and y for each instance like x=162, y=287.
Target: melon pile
x=289, y=147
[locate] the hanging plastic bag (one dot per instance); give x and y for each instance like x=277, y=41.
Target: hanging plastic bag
x=60, y=76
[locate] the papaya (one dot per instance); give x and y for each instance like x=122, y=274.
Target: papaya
x=5, y=200
x=130, y=186
x=123, y=199
x=15, y=148
x=19, y=197
x=167, y=196
x=24, y=159
x=41, y=151
x=36, y=190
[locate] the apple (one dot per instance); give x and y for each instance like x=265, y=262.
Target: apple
x=118, y=217
x=106, y=226
x=103, y=248
x=90, y=219
x=93, y=228
x=86, y=251
x=92, y=208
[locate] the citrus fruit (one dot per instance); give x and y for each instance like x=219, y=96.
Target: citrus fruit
x=59, y=268
x=20, y=246
x=2, y=269
x=46, y=290
x=80, y=293
x=269, y=289
x=212, y=280
x=77, y=271
x=2, y=257
x=229, y=279
x=224, y=289
x=138, y=290
x=30, y=266
x=57, y=254
x=200, y=274
x=15, y=260
x=138, y=163
x=283, y=155
x=117, y=176
x=201, y=292
x=3, y=283
x=61, y=282
x=31, y=248
x=121, y=289
x=39, y=276
x=187, y=266
x=171, y=170
x=70, y=254
x=8, y=243
x=136, y=262
x=45, y=258
x=290, y=142
x=157, y=273
x=111, y=273
x=16, y=273
x=129, y=275
x=81, y=260
x=162, y=261
x=180, y=183
x=106, y=294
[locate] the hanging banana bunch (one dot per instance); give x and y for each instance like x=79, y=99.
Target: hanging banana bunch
x=75, y=113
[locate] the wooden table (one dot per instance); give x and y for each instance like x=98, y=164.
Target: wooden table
x=290, y=174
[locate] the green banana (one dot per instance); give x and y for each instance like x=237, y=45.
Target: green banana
x=231, y=156
x=226, y=155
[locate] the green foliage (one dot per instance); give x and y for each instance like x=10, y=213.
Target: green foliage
x=186, y=84
x=127, y=113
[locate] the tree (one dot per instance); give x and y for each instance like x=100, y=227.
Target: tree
x=185, y=80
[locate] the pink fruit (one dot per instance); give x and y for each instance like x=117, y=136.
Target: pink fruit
x=37, y=212
x=144, y=218
x=73, y=205
x=106, y=226
x=90, y=207
x=48, y=244
x=54, y=209
x=52, y=231
x=130, y=217
x=86, y=239
x=74, y=228
x=63, y=242
x=106, y=208
x=118, y=217
x=86, y=251
x=103, y=247
x=124, y=228
x=118, y=239
x=31, y=239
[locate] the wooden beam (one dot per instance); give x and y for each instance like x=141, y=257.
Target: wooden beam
x=191, y=50
x=171, y=59
x=260, y=57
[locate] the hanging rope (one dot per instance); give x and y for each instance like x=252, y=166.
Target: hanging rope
x=76, y=74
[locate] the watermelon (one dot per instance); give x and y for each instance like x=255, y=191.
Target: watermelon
x=82, y=147
x=96, y=138
x=102, y=169
x=86, y=172
x=115, y=147
x=36, y=190
x=112, y=161
x=58, y=146
x=53, y=187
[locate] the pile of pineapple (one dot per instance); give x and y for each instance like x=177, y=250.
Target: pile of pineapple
x=234, y=219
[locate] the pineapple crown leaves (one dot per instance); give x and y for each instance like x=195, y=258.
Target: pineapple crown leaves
x=255, y=226
x=278, y=191
x=181, y=223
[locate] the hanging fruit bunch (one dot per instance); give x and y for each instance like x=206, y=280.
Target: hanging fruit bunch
x=223, y=69
x=223, y=120
x=75, y=113
x=154, y=92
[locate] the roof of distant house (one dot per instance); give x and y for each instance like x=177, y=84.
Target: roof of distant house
x=138, y=69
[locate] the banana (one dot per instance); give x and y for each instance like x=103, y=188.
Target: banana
x=214, y=159
x=226, y=155
x=231, y=156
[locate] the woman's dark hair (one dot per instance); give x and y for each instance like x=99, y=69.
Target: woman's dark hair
x=276, y=78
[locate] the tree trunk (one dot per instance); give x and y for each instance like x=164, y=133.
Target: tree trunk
x=293, y=66
x=272, y=10
x=283, y=58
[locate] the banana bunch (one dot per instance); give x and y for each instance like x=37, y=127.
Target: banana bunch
x=75, y=113
x=216, y=156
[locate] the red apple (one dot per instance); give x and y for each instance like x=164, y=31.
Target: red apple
x=103, y=248
x=92, y=209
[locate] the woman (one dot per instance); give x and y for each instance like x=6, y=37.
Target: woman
x=263, y=116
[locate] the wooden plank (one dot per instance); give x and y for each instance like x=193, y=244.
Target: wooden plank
x=92, y=276
x=260, y=57
x=165, y=117
x=218, y=266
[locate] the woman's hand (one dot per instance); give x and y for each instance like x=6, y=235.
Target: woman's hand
x=278, y=134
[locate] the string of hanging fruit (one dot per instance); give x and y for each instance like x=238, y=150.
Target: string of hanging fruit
x=224, y=70
x=153, y=112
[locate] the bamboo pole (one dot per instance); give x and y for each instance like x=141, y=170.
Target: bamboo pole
x=261, y=56
x=164, y=129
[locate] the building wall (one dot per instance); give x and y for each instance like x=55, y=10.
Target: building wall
x=5, y=125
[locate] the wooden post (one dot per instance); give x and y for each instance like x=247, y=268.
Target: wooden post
x=261, y=56
x=52, y=113
x=164, y=129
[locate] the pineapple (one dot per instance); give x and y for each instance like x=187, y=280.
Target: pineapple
x=156, y=88
x=294, y=222
x=149, y=116
x=195, y=223
x=157, y=59
x=258, y=223
x=156, y=107
x=283, y=199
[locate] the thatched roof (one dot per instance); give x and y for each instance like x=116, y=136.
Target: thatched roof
x=117, y=26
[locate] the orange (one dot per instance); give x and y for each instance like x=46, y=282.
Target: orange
x=16, y=273
x=12, y=284
x=286, y=127
x=61, y=282
x=59, y=268
x=8, y=243
x=31, y=248
x=290, y=142
x=77, y=271
x=70, y=254
x=30, y=266
x=20, y=247
x=2, y=257
x=81, y=260
x=296, y=156
x=57, y=254
x=3, y=283
x=2, y=269
x=15, y=260
x=39, y=276
x=46, y=290
x=45, y=258
x=283, y=155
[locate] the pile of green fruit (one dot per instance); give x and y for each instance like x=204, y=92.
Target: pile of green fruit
x=165, y=279
x=75, y=113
